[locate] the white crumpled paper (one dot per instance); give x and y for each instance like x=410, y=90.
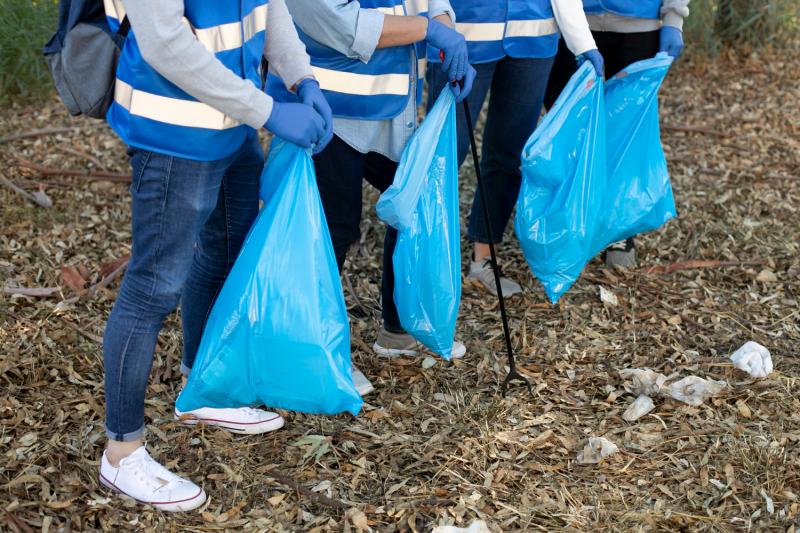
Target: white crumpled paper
x=754, y=359
x=597, y=449
x=640, y=407
x=478, y=526
x=643, y=381
x=694, y=390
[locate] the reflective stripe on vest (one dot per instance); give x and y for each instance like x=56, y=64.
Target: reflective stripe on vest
x=377, y=90
x=151, y=113
x=645, y=9
x=498, y=28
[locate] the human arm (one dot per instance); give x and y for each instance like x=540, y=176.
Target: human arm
x=168, y=45
x=574, y=27
x=283, y=49
x=672, y=14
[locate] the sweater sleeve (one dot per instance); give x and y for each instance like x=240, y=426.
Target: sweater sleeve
x=283, y=49
x=573, y=25
x=169, y=46
x=673, y=12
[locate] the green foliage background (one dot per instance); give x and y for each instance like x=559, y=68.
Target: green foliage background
x=25, y=25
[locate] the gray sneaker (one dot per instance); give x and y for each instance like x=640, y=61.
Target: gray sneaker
x=621, y=254
x=481, y=270
x=398, y=344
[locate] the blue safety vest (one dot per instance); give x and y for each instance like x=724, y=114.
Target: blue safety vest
x=376, y=90
x=498, y=28
x=645, y=9
x=151, y=113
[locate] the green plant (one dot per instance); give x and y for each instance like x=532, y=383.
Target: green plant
x=742, y=23
x=25, y=25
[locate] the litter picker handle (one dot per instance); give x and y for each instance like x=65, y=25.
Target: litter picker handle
x=513, y=373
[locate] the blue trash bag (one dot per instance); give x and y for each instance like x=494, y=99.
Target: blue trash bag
x=561, y=197
x=278, y=334
x=422, y=204
x=639, y=196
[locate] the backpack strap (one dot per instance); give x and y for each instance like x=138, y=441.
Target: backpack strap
x=124, y=27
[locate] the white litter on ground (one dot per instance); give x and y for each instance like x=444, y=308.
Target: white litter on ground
x=597, y=449
x=643, y=381
x=640, y=407
x=754, y=359
x=694, y=390
x=478, y=526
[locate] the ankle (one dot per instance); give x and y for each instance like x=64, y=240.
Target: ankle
x=117, y=450
x=480, y=251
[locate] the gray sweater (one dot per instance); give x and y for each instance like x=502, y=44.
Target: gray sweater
x=169, y=46
x=672, y=14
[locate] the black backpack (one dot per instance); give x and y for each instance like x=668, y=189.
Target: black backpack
x=82, y=56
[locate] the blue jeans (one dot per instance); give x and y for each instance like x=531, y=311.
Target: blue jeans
x=515, y=103
x=189, y=220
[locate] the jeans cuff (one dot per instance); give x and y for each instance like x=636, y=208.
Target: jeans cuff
x=125, y=437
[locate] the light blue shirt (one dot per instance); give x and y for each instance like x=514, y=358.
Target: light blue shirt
x=354, y=32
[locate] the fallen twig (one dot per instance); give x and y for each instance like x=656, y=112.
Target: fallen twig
x=36, y=133
x=702, y=263
x=321, y=499
x=117, y=177
x=83, y=155
x=38, y=292
x=694, y=129
x=39, y=198
x=120, y=265
x=353, y=293
x=91, y=336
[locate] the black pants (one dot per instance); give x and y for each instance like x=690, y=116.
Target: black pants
x=618, y=50
x=340, y=170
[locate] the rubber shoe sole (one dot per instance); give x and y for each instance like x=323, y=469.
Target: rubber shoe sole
x=241, y=428
x=457, y=352
x=180, y=506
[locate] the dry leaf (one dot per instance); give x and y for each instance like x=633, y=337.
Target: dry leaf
x=72, y=278
x=767, y=276
x=358, y=519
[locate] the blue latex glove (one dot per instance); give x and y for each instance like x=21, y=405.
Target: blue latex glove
x=310, y=94
x=462, y=90
x=454, y=47
x=671, y=41
x=297, y=123
x=594, y=57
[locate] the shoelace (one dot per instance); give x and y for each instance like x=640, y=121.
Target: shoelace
x=147, y=470
x=252, y=412
x=488, y=263
x=619, y=246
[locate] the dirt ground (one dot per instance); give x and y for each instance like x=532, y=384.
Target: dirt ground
x=439, y=445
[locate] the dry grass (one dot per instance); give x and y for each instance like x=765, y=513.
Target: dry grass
x=440, y=445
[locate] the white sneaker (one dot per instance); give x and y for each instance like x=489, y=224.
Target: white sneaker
x=482, y=271
x=140, y=477
x=244, y=420
x=403, y=344
x=362, y=384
